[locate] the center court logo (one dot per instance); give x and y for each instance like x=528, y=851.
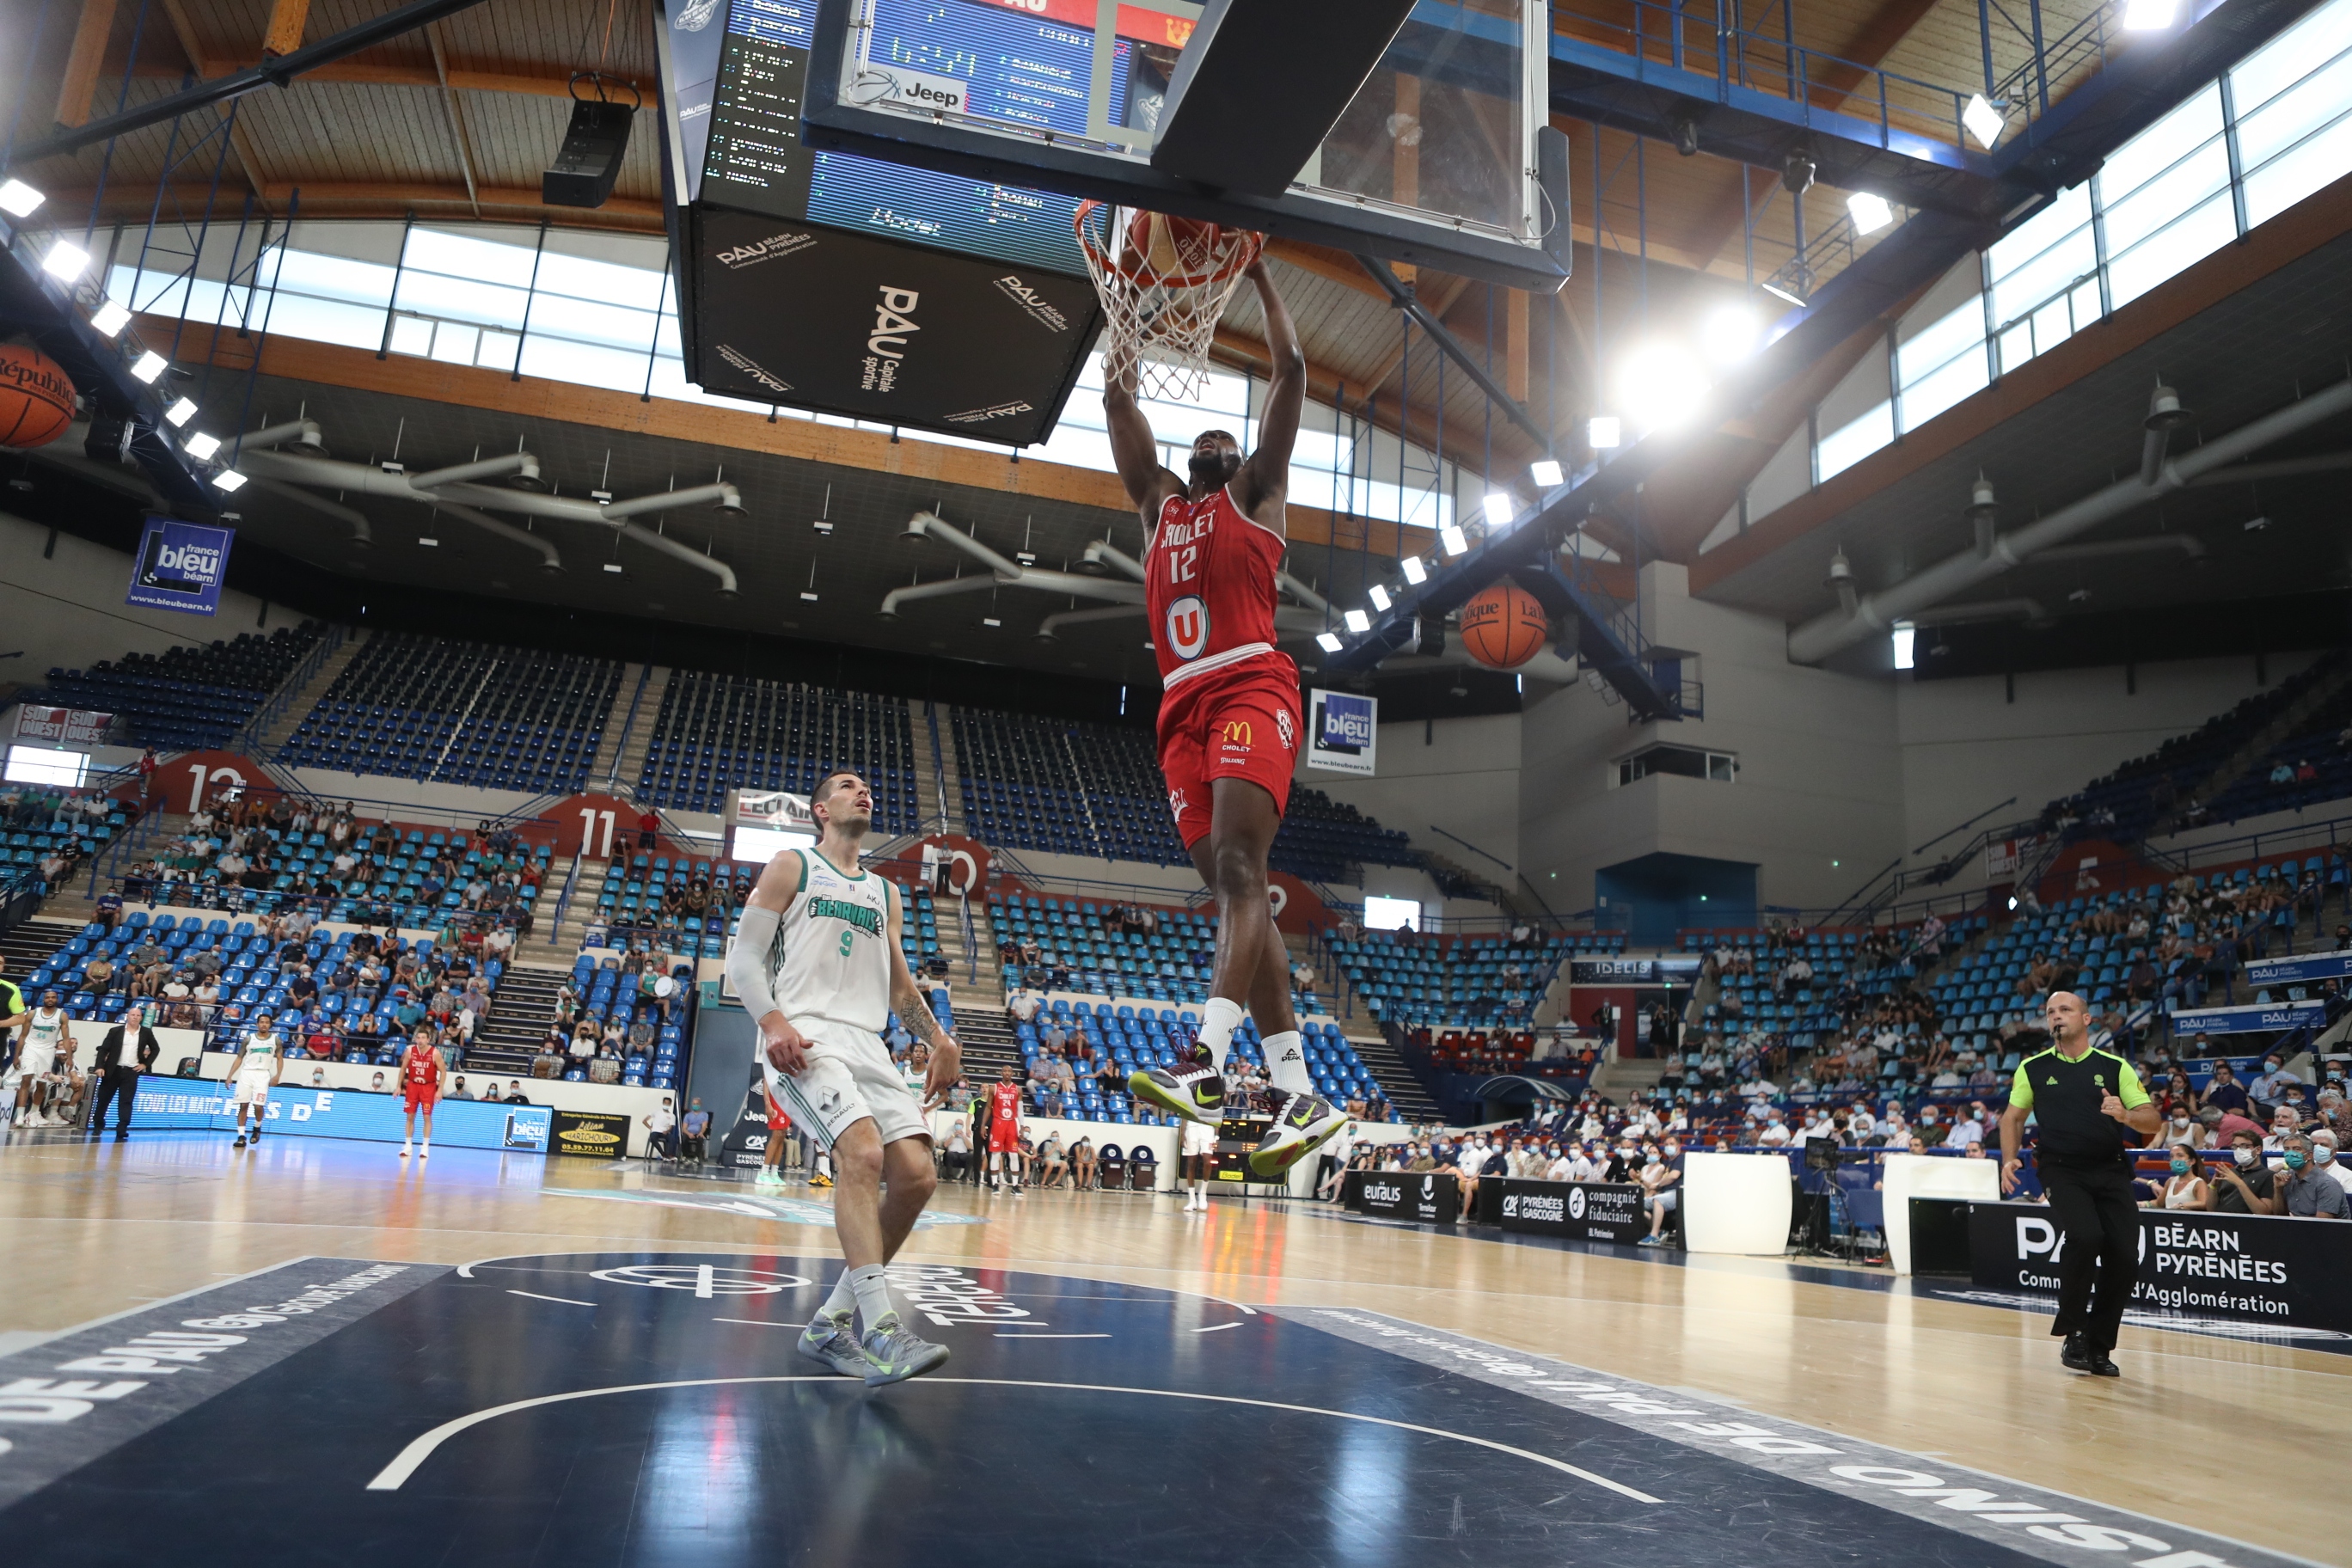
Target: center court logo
x=1188, y=626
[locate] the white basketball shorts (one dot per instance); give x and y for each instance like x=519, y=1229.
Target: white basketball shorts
x=849, y=1077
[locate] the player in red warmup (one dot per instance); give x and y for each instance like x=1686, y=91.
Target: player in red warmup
x=420, y=1084
x=1229, y=719
x=1004, y=1130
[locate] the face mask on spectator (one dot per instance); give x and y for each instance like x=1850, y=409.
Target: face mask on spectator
x=2180, y=1164
x=2321, y=1155
x=2244, y=1156
x=2295, y=1159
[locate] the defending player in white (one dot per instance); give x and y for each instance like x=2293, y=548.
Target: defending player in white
x=816, y=962
x=253, y=1075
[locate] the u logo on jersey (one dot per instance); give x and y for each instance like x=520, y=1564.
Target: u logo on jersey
x=1188, y=626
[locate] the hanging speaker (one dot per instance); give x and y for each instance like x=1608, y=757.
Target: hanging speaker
x=590, y=159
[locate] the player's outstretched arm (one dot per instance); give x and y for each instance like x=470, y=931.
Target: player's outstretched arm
x=746, y=959
x=907, y=1001
x=1132, y=449
x=1266, y=475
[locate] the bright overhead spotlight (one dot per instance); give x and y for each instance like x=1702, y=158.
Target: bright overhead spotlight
x=1500, y=508
x=201, y=446
x=1380, y=597
x=180, y=413
x=1450, y=537
x=1985, y=123
x=1415, y=572
x=1731, y=334
x=613, y=567
x=66, y=261
x=1869, y=211
x=1602, y=433
x=1778, y=292
x=1547, y=473
x=110, y=318
x=229, y=481
x=18, y=199
x=1358, y=621
x=150, y=365
x=2149, y=15
x=1328, y=642
x=1662, y=388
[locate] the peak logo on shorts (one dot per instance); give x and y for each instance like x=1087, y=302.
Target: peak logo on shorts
x=759, y=250
x=1187, y=630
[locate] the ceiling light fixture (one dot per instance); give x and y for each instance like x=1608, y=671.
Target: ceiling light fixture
x=1869, y=211
x=1984, y=121
x=1415, y=572
x=180, y=413
x=1731, y=334
x=110, y=318
x=1452, y=538
x=1328, y=642
x=613, y=567
x=66, y=261
x=1380, y=597
x=1358, y=621
x=201, y=446
x=1602, y=433
x=18, y=199
x=150, y=365
x=1546, y=472
x=229, y=481
x=2149, y=15
x=1500, y=508
x=1779, y=293
x=1662, y=386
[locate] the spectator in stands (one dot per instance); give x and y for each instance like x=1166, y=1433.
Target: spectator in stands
x=1052, y=1163
x=2224, y=1092
x=2245, y=1184
x=2303, y=1189
x=1023, y=1004
x=2273, y=1084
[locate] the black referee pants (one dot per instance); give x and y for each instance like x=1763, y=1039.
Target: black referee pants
x=120, y=1085
x=2100, y=1262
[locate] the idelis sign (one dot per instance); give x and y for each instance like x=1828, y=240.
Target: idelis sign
x=2261, y=1269
x=807, y=315
x=600, y=1133
x=1429, y=1197
x=1582, y=1211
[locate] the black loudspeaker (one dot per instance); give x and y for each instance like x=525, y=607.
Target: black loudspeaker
x=590, y=159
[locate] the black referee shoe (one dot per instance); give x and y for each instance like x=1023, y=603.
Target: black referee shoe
x=2078, y=1356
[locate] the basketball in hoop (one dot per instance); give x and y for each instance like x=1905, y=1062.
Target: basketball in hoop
x=1164, y=282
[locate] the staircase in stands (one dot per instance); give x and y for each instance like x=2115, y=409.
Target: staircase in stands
x=620, y=760
x=27, y=946
x=293, y=707
x=508, y=1034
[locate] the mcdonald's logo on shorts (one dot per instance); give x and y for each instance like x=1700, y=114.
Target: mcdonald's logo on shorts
x=1237, y=732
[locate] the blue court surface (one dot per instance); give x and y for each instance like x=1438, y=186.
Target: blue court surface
x=640, y=1408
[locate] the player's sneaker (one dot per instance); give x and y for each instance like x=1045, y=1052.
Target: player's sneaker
x=894, y=1352
x=240, y=1142
x=405, y=1148
x=1302, y=1124
x=820, y=1180
x=834, y=1342
x=1190, y=1088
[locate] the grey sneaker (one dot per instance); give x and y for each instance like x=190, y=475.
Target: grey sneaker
x=895, y=1352
x=831, y=1341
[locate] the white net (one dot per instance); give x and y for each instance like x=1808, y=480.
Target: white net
x=1164, y=282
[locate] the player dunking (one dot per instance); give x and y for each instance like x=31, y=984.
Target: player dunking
x=816, y=962
x=1229, y=719
x=420, y=1088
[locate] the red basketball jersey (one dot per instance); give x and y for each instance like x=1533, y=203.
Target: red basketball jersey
x=1004, y=1102
x=1209, y=584
x=420, y=1068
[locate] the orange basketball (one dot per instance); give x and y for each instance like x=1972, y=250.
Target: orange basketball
x=1504, y=627
x=1178, y=250
x=36, y=398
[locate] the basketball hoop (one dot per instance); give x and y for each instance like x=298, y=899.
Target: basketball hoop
x=1164, y=282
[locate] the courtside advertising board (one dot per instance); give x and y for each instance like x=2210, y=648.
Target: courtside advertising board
x=1342, y=733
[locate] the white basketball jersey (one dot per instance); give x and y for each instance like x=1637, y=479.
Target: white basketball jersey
x=832, y=955
x=42, y=1035
x=259, y=1048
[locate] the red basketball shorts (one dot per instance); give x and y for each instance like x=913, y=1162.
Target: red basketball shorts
x=420, y=1097
x=1244, y=724
x=1004, y=1137
x=777, y=1120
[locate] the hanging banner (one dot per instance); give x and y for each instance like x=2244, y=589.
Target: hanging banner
x=180, y=566
x=2003, y=857
x=2306, y=971
x=66, y=726
x=2249, y=1020
x=1342, y=730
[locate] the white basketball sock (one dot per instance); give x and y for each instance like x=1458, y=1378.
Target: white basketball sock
x=1218, y=1019
x=1286, y=1061
x=844, y=1300
x=871, y=1286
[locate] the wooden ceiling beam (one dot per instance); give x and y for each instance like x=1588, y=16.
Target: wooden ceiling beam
x=83, y=64
x=360, y=199
x=287, y=19
x=368, y=73
x=249, y=162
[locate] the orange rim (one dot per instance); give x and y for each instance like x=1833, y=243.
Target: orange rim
x=1233, y=265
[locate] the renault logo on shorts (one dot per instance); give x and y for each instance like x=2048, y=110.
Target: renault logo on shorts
x=1188, y=626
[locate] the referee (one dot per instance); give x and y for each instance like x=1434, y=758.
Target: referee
x=2086, y=1103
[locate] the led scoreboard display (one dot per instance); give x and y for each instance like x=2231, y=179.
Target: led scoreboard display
x=1012, y=64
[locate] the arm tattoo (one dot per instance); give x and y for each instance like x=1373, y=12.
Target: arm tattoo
x=910, y=1006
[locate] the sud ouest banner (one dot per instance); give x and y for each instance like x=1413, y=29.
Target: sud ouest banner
x=180, y=566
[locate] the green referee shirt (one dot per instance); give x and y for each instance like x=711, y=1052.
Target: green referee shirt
x=2064, y=1092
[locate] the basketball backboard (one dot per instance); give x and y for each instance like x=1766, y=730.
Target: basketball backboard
x=1445, y=157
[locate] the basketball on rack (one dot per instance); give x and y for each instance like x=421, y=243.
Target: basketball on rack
x=1504, y=627
x=36, y=398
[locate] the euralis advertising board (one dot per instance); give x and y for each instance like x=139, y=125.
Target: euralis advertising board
x=2257, y=1267
x=1430, y=1197
x=1580, y=1211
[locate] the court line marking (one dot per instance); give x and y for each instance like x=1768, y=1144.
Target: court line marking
x=43, y=1336
x=1213, y=1328
x=702, y=1275
x=1003, y=1335
x=405, y=1463
x=756, y=1322
x=560, y=1300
